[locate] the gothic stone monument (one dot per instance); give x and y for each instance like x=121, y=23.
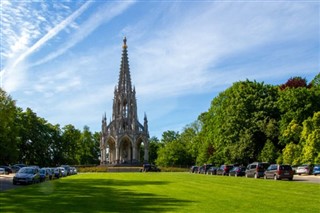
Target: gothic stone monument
x=121, y=139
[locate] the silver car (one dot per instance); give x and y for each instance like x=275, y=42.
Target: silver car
x=304, y=169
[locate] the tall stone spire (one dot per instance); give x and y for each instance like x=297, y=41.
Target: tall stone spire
x=121, y=139
x=124, y=84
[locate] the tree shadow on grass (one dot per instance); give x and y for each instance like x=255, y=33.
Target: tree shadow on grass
x=89, y=195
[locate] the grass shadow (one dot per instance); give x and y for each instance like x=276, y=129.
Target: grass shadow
x=89, y=195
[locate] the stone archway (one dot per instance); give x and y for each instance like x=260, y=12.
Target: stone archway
x=111, y=151
x=125, y=150
x=142, y=150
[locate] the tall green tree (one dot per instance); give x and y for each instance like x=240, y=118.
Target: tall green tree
x=70, y=144
x=153, y=149
x=35, y=139
x=239, y=122
x=316, y=81
x=9, y=133
x=297, y=104
x=89, y=147
x=310, y=139
x=190, y=137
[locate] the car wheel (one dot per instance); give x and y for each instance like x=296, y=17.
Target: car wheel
x=290, y=179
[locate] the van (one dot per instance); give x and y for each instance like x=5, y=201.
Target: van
x=278, y=172
x=256, y=169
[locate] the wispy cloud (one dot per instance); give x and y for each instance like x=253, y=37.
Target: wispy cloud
x=20, y=47
x=184, y=57
x=104, y=14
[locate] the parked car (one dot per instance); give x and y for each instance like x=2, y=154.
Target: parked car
x=63, y=171
x=278, y=172
x=256, y=169
x=7, y=169
x=27, y=175
x=194, y=169
x=200, y=170
x=150, y=168
x=57, y=172
x=304, y=169
x=204, y=169
x=73, y=170
x=224, y=169
x=212, y=170
x=67, y=169
x=20, y=165
x=44, y=175
x=2, y=171
x=316, y=170
x=294, y=168
x=15, y=169
x=50, y=172
x=238, y=171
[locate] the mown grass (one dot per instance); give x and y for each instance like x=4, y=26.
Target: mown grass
x=162, y=192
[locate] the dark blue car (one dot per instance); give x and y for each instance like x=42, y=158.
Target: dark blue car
x=238, y=171
x=316, y=170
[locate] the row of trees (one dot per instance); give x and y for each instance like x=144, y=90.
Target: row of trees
x=27, y=138
x=251, y=121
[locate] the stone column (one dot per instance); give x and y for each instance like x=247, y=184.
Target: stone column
x=134, y=153
x=146, y=152
x=117, y=154
x=103, y=155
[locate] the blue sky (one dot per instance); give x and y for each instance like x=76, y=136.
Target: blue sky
x=62, y=58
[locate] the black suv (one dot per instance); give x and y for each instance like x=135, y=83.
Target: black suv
x=256, y=169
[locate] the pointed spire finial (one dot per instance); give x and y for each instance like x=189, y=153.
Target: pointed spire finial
x=125, y=42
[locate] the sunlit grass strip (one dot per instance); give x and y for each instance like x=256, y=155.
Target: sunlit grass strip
x=162, y=192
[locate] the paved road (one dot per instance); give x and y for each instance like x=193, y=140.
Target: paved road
x=307, y=178
x=6, y=182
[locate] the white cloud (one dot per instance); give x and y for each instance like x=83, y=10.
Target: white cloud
x=102, y=15
x=181, y=58
x=19, y=46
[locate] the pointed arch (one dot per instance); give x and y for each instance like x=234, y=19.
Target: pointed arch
x=125, y=149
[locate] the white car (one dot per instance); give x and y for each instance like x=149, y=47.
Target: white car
x=2, y=171
x=304, y=169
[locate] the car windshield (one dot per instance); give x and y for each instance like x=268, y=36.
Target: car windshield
x=263, y=166
x=26, y=170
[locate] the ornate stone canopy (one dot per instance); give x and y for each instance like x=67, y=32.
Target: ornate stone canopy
x=122, y=139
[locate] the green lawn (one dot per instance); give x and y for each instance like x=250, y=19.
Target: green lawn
x=162, y=192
